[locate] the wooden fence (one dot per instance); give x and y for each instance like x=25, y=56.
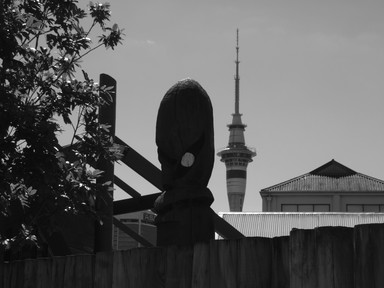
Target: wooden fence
x=323, y=257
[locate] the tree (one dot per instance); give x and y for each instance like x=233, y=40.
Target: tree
x=41, y=45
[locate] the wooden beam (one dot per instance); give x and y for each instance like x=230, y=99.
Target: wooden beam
x=131, y=233
x=134, y=204
x=224, y=229
x=141, y=165
x=104, y=201
x=132, y=192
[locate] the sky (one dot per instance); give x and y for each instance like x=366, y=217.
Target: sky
x=311, y=82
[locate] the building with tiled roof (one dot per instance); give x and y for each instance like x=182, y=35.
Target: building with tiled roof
x=332, y=187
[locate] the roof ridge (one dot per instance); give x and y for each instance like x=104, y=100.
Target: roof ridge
x=286, y=182
x=370, y=177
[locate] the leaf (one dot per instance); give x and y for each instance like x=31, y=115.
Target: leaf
x=31, y=191
x=85, y=75
x=107, y=183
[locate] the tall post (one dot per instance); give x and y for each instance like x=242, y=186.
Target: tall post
x=104, y=202
x=184, y=137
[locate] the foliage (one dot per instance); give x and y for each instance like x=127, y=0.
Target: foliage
x=41, y=45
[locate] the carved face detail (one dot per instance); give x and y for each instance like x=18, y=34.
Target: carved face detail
x=184, y=136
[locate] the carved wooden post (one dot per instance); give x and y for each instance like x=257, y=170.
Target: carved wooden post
x=184, y=137
x=104, y=203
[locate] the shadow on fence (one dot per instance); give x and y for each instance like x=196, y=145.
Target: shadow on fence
x=322, y=257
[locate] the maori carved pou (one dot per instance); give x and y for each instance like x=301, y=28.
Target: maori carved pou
x=185, y=141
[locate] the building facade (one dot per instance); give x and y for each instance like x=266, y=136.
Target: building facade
x=332, y=187
x=140, y=222
x=236, y=155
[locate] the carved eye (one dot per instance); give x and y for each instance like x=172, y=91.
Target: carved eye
x=187, y=160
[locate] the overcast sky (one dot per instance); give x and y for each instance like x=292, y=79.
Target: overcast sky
x=311, y=81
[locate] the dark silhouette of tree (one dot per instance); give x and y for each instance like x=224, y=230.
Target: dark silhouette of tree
x=41, y=45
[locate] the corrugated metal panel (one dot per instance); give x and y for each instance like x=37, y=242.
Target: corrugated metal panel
x=309, y=182
x=265, y=224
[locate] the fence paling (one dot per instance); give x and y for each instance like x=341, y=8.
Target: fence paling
x=369, y=255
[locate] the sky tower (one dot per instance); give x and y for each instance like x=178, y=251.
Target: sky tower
x=236, y=155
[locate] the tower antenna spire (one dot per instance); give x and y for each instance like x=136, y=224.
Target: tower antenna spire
x=237, y=77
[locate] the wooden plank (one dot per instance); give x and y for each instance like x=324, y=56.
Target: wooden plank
x=141, y=165
x=280, y=262
x=254, y=262
x=2, y=264
x=104, y=201
x=369, y=255
x=334, y=257
x=128, y=189
x=131, y=233
x=58, y=270
x=224, y=229
x=303, y=258
x=29, y=278
x=43, y=272
x=223, y=263
x=146, y=267
x=6, y=275
x=78, y=271
x=17, y=274
x=200, y=268
x=179, y=267
x=70, y=277
x=121, y=272
x=134, y=204
x=84, y=269
x=103, y=269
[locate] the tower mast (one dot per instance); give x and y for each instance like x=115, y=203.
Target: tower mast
x=236, y=155
x=237, y=77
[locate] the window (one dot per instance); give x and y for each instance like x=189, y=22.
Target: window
x=365, y=207
x=305, y=208
x=289, y=208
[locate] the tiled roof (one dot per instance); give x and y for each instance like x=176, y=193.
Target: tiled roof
x=273, y=224
x=332, y=176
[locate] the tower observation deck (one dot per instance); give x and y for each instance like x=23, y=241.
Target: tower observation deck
x=236, y=155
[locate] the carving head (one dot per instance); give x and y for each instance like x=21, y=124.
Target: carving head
x=184, y=136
